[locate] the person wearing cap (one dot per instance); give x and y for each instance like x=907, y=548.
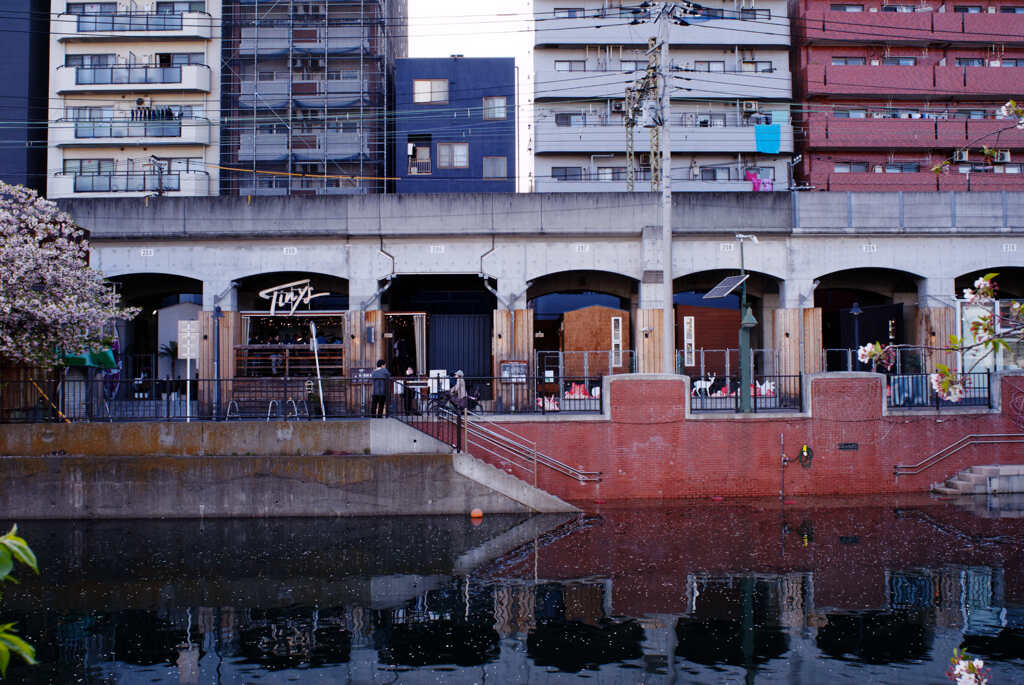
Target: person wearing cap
x=461, y=398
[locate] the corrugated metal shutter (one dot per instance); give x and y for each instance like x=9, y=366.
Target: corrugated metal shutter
x=460, y=341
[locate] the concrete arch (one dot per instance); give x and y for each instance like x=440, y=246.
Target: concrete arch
x=584, y=280
x=248, y=287
x=162, y=270
x=879, y=280
x=1010, y=280
x=758, y=284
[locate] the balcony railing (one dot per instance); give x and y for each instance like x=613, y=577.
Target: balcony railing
x=131, y=75
x=127, y=182
x=129, y=22
x=127, y=129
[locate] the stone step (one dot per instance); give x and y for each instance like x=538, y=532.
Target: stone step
x=966, y=487
x=973, y=477
x=944, y=490
x=985, y=471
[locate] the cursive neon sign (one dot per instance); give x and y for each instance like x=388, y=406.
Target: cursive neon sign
x=290, y=295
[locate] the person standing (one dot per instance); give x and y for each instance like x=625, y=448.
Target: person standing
x=381, y=381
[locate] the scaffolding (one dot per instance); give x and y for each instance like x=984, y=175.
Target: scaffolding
x=306, y=91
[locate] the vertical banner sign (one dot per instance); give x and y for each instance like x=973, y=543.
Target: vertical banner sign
x=689, y=354
x=188, y=349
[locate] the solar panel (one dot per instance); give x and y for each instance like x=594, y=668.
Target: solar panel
x=728, y=284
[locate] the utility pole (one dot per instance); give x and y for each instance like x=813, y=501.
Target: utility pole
x=668, y=336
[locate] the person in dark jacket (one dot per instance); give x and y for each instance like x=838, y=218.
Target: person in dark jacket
x=381, y=382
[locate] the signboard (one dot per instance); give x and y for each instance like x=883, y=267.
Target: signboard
x=288, y=296
x=188, y=339
x=360, y=374
x=689, y=356
x=513, y=371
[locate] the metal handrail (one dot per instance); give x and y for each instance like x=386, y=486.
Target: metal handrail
x=953, y=448
x=511, y=442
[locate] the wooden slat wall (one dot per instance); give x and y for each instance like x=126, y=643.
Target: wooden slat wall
x=787, y=340
x=230, y=335
x=502, y=342
x=522, y=335
x=812, y=340
x=648, y=347
x=942, y=322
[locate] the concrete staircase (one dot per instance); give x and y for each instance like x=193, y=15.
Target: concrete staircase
x=984, y=480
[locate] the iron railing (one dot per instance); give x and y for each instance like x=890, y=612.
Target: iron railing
x=914, y=390
x=951, y=449
x=768, y=393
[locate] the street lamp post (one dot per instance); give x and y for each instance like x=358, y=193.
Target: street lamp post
x=855, y=312
x=747, y=321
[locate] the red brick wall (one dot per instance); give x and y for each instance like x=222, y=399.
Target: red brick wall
x=649, y=450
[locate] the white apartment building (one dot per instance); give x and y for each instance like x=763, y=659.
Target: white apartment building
x=134, y=98
x=731, y=93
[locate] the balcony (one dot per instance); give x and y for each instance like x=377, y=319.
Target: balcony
x=608, y=27
x=683, y=181
x=611, y=137
x=305, y=146
x=822, y=25
x=131, y=78
x=688, y=83
x=134, y=26
x=314, y=41
x=173, y=183
x=127, y=132
x=896, y=133
x=918, y=82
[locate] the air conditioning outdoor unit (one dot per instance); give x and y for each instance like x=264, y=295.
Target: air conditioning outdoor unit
x=618, y=106
x=1003, y=156
x=750, y=105
x=644, y=158
x=143, y=102
x=960, y=155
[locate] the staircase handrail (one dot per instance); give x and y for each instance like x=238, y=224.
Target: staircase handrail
x=954, y=447
x=506, y=439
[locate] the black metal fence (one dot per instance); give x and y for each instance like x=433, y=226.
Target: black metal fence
x=914, y=390
x=277, y=398
x=767, y=393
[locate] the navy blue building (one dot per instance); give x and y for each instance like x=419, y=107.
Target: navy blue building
x=455, y=125
x=24, y=51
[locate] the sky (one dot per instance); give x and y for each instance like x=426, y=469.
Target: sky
x=472, y=28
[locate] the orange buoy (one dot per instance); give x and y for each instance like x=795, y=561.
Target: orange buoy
x=476, y=514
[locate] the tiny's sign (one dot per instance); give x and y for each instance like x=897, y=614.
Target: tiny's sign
x=289, y=296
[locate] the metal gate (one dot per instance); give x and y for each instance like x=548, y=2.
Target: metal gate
x=460, y=341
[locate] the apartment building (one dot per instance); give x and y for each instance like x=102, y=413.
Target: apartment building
x=730, y=89
x=306, y=87
x=134, y=98
x=891, y=90
x=455, y=125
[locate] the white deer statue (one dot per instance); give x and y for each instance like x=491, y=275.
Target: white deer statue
x=703, y=386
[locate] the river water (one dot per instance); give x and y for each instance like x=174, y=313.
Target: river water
x=817, y=591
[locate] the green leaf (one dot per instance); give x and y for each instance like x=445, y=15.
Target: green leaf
x=20, y=549
x=18, y=646
x=991, y=277
x=5, y=658
x=6, y=563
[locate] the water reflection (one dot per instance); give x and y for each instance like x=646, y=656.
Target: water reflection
x=699, y=592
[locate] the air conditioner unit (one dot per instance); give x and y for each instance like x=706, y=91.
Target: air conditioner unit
x=960, y=155
x=143, y=102
x=618, y=106
x=875, y=62
x=750, y=105
x=644, y=158
x=1003, y=156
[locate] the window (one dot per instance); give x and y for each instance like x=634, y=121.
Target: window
x=494, y=107
x=430, y=91
x=453, y=155
x=567, y=173
x=715, y=173
x=419, y=155
x=712, y=12
x=633, y=65
x=708, y=65
x=178, y=7
x=847, y=8
x=850, y=168
x=176, y=59
x=902, y=168
x=755, y=14
x=765, y=173
x=1010, y=168
x=848, y=61
x=898, y=8
x=88, y=166
x=711, y=120
x=1012, y=10
x=611, y=173
x=92, y=8
x=570, y=119
x=266, y=76
x=569, y=12
x=495, y=167
x=850, y=114
x=900, y=61
x=970, y=62
x=969, y=114
x=616, y=341
x=90, y=113
x=757, y=66
x=89, y=60
x=967, y=9
x=1012, y=63
x=570, y=65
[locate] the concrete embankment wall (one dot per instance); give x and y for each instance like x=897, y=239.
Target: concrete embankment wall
x=649, y=446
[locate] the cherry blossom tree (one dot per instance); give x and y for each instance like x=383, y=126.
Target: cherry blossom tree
x=51, y=302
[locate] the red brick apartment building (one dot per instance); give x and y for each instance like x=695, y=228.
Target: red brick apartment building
x=891, y=88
